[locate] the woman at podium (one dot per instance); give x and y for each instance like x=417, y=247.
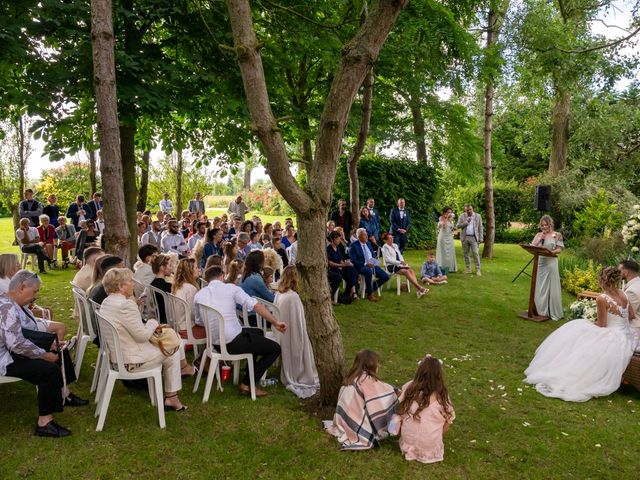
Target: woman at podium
x=548, y=296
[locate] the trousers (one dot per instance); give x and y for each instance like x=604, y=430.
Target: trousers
x=470, y=243
x=46, y=376
x=265, y=352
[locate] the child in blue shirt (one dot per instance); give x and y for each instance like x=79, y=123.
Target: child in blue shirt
x=431, y=272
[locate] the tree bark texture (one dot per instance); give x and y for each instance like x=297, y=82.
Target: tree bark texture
x=311, y=204
x=93, y=181
x=22, y=167
x=358, y=148
x=417, y=120
x=560, y=135
x=128, y=158
x=247, y=176
x=144, y=182
x=490, y=236
x=179, y=172
x=104, y=71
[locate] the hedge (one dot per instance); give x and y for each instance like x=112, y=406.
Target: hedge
x=386, y=180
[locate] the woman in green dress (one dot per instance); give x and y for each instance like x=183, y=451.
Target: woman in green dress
x=446, y=247
x=548, y=296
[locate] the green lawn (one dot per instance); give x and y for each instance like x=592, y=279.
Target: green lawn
x=503, y=430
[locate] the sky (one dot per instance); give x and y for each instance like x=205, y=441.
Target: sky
x=618, y=15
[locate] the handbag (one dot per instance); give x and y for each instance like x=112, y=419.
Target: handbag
x=44, y=340
x=167, y=340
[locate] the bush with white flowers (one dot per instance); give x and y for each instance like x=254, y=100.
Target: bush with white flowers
x=585, y=308
x=631, y=232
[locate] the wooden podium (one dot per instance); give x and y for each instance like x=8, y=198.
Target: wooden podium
x=532, y=313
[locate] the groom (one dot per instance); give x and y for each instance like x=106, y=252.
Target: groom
x=471, y=234
x=631, y=273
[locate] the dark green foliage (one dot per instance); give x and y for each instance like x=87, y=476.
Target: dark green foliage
x=386, y=180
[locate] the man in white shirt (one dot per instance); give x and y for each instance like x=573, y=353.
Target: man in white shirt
x=631, y=273
x=471, y=235
x=238, y=207
x=100, y=221
x=173, y=241
x=143, y=271
x=29, y=241
x=223, y=297
x=166, y=205
x=153, y=236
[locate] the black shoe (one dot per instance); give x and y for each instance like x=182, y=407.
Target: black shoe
x=42, y=272
x=74, y=401
x=52, y=429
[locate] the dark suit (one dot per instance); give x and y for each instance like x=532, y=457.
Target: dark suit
x=356, y=254
x=396, y=223
x=94, y=207
x=346, y=222
x=72, y=213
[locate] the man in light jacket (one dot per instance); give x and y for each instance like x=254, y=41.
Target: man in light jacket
x=471, y=235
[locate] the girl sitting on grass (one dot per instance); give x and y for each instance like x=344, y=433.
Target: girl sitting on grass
x=424, y=414
x=365, y=405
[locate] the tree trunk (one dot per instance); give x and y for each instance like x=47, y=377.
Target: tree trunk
x=144, y=182
x=560, y=136
x=93, y=182
x=352, y=163
x=311, y=203
x=179, y=172
x=128, y=158
x=104, y=76
x=417, y=120
x=22, y=167
x=247, y=175
x=490, y=236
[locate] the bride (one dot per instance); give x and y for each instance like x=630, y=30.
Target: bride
x=581, y=360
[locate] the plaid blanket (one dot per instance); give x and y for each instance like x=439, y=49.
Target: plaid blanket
x=363, y=413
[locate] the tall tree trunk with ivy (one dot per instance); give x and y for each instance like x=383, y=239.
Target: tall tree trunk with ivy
x=179, y=172
x=144, y=181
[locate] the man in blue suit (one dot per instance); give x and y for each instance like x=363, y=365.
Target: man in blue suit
x=363, y=261
x=400, y=223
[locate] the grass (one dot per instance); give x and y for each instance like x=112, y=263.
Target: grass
x=504, y=429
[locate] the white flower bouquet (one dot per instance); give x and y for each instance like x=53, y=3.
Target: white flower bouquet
x=584, y=308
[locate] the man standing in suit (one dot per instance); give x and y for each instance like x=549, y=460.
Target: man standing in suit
x=342, y=217
x=196, y=205
x=166, y=205
x=30, y=208
x=361, y=256
x=471, y=234
x=374, y=215
x=94, y=205
x=631, y=273
x=400, y=224
x=77, y=212
x=238, y=207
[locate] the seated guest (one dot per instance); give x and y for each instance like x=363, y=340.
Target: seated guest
x=267, y=276
x=200, y=230
x=292, y=251
x=185, y=228
x=272, y=259
x=234, y=272
x=153, y=236
x=289, y=236
x=298, y=373
x=257, y=226
x=230, y=252
x=223, y=297
x=185, y=287
x=276, y=244
x=29, y=242
x=254, y=244
x=9, y=265
x=242, y=243
x=121, y=309
x=365, y=264
x=395, y=263
x=268, y=229
x=213, y=260
x=84, y=278
x=253, y=283
x=265, y=240
x=431, y=272
x=247, y=227
x=340, y=264
x=173, y=241
x=331, y=226
x=365, y=405
x=213, y=245
x=88, y=237
x=236, y=226
x=161, y=266
x=66, y=239
x=143, y=271
x=21, y=358
x=226, y=236
x=98, y=293
x=47, y=235
x=142, y=229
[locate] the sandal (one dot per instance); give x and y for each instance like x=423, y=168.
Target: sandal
x=171, y=408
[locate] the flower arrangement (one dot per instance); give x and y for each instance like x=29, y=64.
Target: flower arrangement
x=631, y=232
x=585, y=308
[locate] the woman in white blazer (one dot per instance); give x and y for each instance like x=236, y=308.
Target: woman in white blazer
x=394, y=261
x=121, y=309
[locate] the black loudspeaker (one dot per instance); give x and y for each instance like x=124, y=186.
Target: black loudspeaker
x=542, y=202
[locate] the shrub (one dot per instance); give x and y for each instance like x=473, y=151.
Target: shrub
x=598, y=218
x=578, y=278
x=516, y=235
x=266, y=199
x=386, y=180
x=603, y=250
x=631, y=232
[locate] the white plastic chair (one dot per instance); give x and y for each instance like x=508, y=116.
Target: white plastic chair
x=363, y=285
x=109, y=336
x=5, y=379
x=181, y=310
x=269, y=332
x=86, y=332
x=208, y=314
x=101, y=358
x=398, y=281
x=153, y=294
x=26, y=257
x=203, y=283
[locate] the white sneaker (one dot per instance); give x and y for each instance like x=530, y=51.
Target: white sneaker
x=478, y=273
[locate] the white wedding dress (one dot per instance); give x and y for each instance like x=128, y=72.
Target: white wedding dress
x=581, y=360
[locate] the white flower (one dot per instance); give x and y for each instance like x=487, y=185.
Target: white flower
x=635, y=249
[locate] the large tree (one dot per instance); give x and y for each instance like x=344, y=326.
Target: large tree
x=311, y=202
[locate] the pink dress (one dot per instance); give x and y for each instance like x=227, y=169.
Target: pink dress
x=421, y=440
